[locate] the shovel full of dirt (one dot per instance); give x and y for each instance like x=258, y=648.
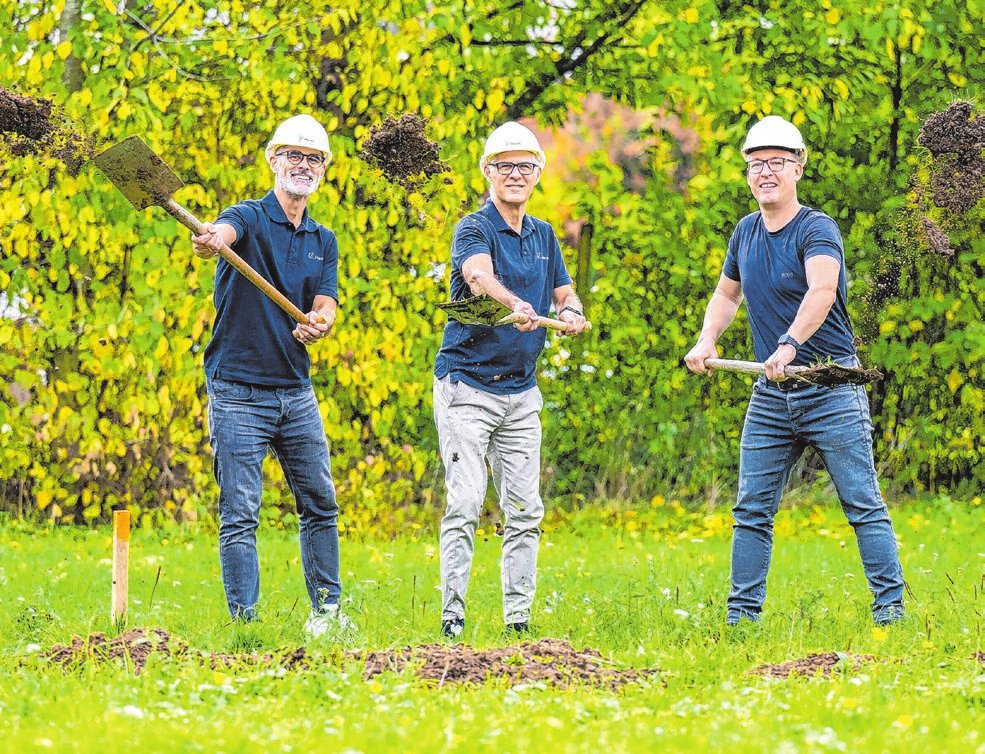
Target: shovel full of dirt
x=147, y=181
x=485, y=310
x=825, y=375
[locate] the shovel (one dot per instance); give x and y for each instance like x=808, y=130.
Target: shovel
x=146, y=180
x=485, y=310
x=825, y=375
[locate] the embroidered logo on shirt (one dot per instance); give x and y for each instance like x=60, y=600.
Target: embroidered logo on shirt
x=312, y=255
x=784, y=275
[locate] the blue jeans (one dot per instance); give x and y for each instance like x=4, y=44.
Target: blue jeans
x=779, y=426
x=244, y=422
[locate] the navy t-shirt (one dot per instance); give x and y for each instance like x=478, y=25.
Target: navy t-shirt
x=770, y=268
x=252, y=340
x=501, y=360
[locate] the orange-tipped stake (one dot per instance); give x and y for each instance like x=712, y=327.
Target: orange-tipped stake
x=121, y=564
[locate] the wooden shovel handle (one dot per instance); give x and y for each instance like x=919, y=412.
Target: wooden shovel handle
x=546, y=322
x=749, y=367
x=189, y=220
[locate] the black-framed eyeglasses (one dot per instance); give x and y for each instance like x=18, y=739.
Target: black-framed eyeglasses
x=315, y=159
x=505, y=168
x=776, y=164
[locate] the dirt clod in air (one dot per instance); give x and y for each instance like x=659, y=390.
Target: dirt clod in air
x=953, y=131
x=400, y=149
x=549, y=661
x=955, y=139
x=956, y=182
x=937, y=240
x=30, y=125
x=823, y=664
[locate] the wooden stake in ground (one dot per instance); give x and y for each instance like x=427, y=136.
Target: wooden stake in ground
x=121, y=564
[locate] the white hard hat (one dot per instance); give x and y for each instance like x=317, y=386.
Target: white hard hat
x=512, y=137
x=300, y=131
x=773, y=132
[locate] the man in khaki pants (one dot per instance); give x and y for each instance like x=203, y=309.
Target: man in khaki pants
x=486, y=400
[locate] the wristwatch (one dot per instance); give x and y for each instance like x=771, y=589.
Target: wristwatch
x=786, y=340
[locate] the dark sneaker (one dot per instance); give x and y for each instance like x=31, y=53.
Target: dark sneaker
x=452, y=629
x=518, y=628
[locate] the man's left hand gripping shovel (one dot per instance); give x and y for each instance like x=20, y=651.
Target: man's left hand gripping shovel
x=146, y=180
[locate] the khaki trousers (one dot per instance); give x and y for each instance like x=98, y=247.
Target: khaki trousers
x=475, y=427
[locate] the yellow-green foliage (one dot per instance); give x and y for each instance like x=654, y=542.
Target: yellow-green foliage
x=102, y=400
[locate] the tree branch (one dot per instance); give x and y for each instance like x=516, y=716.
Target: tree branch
x=568, y=63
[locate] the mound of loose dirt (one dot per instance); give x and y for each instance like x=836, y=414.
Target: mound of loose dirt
x=135, y=647
x=549, y=661
x=980, y=656
x=823, y=664
x=132, y=647
x=35, y=125
x=400, y=149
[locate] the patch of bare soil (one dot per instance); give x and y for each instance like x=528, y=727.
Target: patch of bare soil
x=823, y=664
x=549, y=661
x=980, y=656
x=31, y=125
x=131, y=647
x=135, y=647
x=400, y=149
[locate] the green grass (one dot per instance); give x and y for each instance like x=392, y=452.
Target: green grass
x=647, y=590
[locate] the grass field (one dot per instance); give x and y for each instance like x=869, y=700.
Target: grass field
x=645, y=589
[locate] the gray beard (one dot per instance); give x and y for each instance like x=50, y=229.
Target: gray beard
x=289, y=187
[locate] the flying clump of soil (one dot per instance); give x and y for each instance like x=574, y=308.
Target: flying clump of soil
x=955, y=139
x=402, y=151
x=30, y=125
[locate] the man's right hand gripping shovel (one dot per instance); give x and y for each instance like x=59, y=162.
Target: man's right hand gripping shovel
x=210, y=242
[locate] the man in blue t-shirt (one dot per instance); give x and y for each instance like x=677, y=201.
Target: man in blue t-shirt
x=788, y=262
x=486, y=400
x=257, y=374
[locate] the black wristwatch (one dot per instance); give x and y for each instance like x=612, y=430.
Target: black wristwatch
x=786, y=340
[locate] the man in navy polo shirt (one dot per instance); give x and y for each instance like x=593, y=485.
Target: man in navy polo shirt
x=257, y=374
x=788, y=262
x=486, y=400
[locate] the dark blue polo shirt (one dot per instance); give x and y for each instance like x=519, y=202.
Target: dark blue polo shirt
x=501, y=360
x=252, y=339
x=770, y=268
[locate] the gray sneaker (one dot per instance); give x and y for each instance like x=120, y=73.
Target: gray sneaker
x=329, y=620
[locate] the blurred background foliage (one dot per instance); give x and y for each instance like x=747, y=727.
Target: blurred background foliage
x=641, y=106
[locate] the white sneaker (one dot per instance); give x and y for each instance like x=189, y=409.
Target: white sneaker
x=328, y=620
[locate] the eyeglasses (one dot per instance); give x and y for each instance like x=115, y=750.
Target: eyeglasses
x=505, y=168
x=316, y=159
x=776, y=164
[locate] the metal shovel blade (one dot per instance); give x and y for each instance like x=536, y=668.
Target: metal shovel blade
x=140, y=175
x=485, y=310
x=478, y=310
x=147, y=181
